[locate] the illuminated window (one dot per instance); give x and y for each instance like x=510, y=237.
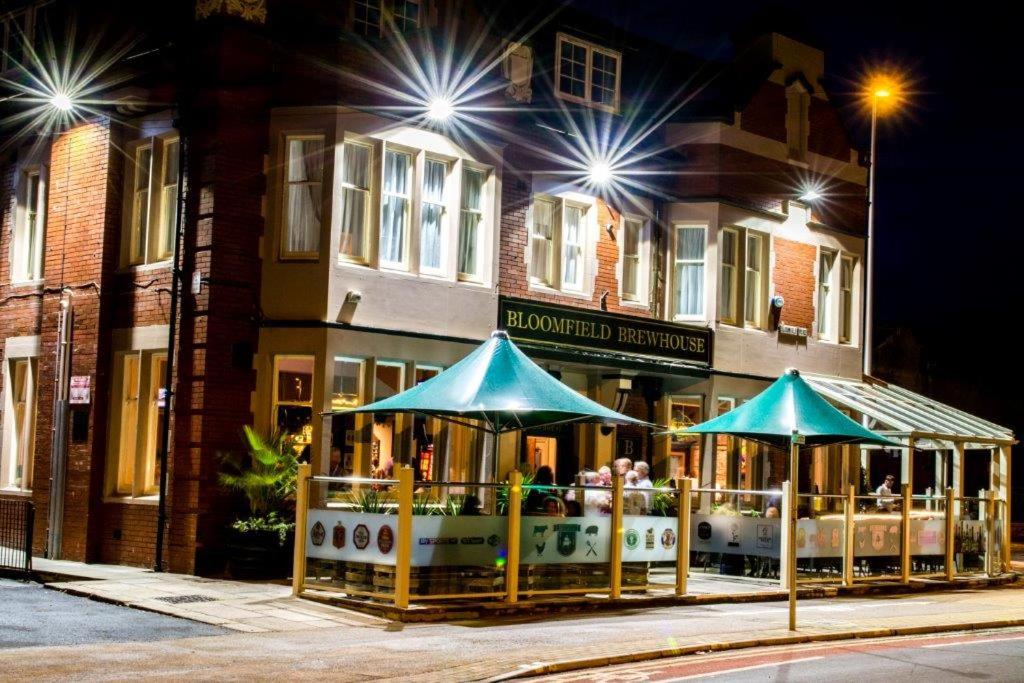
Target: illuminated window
x=137, y=409
x=303, y=196
x=685, y=411
x=471, y=217
x=355, y=201
x=587, y=74
x=18, y=428
x=385, y=447
x=632, y=230
x=542, y=233
x=846, y=269
x=432, y=216
x=826, y=263
x=572, y=247
x=688, y=271
x=346, y=393
x=151, y=208
x=558, y=243
x=730, y=275
x=753, y=282
x=29, y=229
x=394, y=222
x=293, y=398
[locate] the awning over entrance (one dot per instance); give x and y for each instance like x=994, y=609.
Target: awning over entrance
x=904, y=415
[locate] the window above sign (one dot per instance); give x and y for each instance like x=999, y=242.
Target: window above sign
x=588, y=74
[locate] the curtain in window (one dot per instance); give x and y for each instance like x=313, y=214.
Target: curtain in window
x=729, y=258
x=432, y=213
x=140, y=205
x=469, y=221
x=572, y=270
x=752, y=283
x=305, y=175
x=395, y=207
x=540, y=240
x=355, y=197
x=825, y=263
x=630, y=258
x=168, y=201
x=129, y=424
x=689, y=271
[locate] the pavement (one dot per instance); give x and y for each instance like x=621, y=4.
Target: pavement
x=365, y=648
x=36, y=617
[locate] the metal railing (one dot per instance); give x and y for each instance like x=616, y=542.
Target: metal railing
x=17, y=518
x=399, y=540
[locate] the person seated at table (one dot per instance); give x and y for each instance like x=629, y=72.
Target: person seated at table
x=632, y=499
x=554, y=507
x=604, y=475
x=622, y=466
x=772, y=511
x=539, y=491
x=885, y=500
x=643, y=471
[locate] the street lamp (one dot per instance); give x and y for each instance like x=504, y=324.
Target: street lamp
x=811, y=195
x=882, y=92
x=440, y=109
x=61, y=101
x=600, y=173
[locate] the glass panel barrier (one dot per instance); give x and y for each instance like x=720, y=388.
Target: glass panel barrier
x=877, y=537
x=969, y=529
x=927, y=535
x=820, y=537
x=565, y=539
x=736, y=533
x=650, y=539
x=351, y=535
x=459, y=541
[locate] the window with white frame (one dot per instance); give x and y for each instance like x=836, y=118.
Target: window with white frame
x=16, y=454
x=846, y=271
x=753, y=281
x=29, y=228
x=632, y=237
x=688, y=271
x=137, y=410
x=542, y=234
x=573, y=242
x=151, y=201
x=826, y=263
x=587, y=74
x=471, y=216
x=303, y=196
x=368, y=17
x=433, y=216
x=432, y=212
x=730, y=275
x=355, y=201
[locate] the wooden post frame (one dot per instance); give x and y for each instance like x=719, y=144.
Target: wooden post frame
x=791, y=515
x=950, y=535
x=848, y=544
x=403, y=554
x=1005, y=489
x=905, y=535
x=615, y=571
x=301, y=517
x=512, y=550
x=683, y=535
x=989, y=503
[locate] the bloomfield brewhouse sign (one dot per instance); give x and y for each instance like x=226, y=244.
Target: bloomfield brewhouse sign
x=566, y=326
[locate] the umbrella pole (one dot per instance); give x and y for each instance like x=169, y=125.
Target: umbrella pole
x=794, y=463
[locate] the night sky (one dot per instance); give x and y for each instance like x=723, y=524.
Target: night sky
x=949, y=169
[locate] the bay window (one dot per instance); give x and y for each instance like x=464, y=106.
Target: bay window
x=355, y=201
x=587, y=74
x=557, y=253
x=730, y=275
x=137, y=409
x=846, y=300
x=16, y=453
x=631, y=259
x=542, y=234
x=27, y=248
x=826, y=263
x=688, y=271
x=470, y=218
x=304, y=164
x=151, y=201
x=432, y=215
x=394, y=209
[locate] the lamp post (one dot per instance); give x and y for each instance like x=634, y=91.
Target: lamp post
x=881, y=91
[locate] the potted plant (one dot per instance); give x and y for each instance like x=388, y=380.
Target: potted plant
x=260, y=545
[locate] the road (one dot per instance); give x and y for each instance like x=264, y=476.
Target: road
x=990, y=655
x=32, y=616
x=369, y=649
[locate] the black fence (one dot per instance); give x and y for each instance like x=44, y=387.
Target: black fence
x=16, y=520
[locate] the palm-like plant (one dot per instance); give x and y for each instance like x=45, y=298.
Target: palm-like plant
x=266, y=475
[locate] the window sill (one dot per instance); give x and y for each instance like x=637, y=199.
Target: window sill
x=25, y=493
x=629, y=303
x=145, y=267
x=691, y=319
x=129, y=500
x=545, y=289
x=27, y=284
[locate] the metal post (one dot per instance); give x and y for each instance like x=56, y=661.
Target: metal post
x=794, y=477
x=301, y=522
x=616, y=549
x=848, y=531
x=403, y=555
x=905, y=536
x=870, y=270
x=515, y=502
x=950, y=536
x=683, y=533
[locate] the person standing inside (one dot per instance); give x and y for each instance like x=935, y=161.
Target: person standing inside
x=643, y=471
x=885, y=500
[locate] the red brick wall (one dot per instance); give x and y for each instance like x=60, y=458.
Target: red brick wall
x=765, y=114
x=513, y=279
x=794, y=280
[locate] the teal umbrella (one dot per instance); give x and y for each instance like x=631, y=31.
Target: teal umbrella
x=790, y=406
x=499, y=386
x=790, y=414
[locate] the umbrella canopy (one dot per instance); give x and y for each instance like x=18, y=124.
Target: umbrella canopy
x=789, y=405
x=500, y=386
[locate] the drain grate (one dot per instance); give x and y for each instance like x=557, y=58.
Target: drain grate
x=183, y=599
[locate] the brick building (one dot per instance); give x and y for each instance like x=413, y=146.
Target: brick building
x=339, y=244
